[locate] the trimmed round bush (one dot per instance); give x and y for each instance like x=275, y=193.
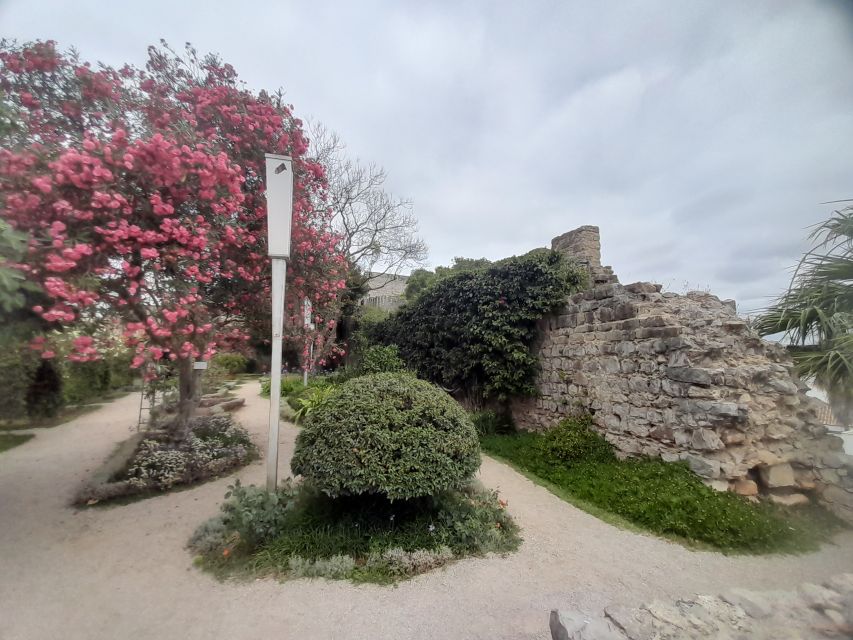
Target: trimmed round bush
x=390, y=434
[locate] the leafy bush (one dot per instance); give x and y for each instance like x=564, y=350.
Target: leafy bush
x=214, y=445
x=256, y=514
x=574, y=440
x=312, y=400
x=232, y=363
x=490, y=422
x=472, y=331
x=381, y=359
x=665, y=498
x=210, y=537
x=387, y=433
x=84, y=381
x=44, y=395
x=290, y=384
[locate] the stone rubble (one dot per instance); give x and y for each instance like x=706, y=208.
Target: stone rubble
x=811, y=611
x=682, y=377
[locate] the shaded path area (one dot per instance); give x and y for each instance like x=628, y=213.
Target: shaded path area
x=123, y=571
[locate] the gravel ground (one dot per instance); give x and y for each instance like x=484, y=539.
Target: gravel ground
x=123, y=571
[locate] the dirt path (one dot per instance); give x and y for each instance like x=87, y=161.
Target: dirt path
x=123, y=572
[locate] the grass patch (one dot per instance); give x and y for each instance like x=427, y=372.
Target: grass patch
x=12, y=440
x=304, y=533
x=664, y=498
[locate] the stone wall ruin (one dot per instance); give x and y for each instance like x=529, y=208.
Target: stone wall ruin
x=682, y=377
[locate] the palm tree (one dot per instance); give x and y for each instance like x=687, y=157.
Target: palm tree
x=816, y=313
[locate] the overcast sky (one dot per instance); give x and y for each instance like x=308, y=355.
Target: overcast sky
x=700, y=136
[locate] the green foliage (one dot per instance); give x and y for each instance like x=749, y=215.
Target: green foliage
x=215, y=444
x=421, y=279
x=43, y=397
x=363, y=538
x=573, y=441
x=816, y=313
x=290, y=384
x=14, y=286
x=665, y=498
x=387, y=433
x=86, y=380
x=381, y=359
x=471, y=332
x=232, y=363
x=490, y=422
x=256, y=514
x=18, y=365
x=312, y=400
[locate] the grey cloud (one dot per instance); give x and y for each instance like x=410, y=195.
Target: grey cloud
x=701, y=137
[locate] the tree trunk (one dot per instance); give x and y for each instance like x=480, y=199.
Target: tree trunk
x=188, y=398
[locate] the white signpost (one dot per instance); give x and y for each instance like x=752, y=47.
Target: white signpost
x=308, y=323
x=279, y=216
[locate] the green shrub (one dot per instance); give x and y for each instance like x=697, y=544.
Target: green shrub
x=18, y=365
x=574, y=440
x=312, y=400
x=256, y=514
x=387, y=433
x=490, y=422
x=290, y=384
x=380, y=359
x=44, y=397
x=232, y=363
x=472, y=331
x=85, y=381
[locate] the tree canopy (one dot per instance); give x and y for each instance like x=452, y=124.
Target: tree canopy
x=141, y=196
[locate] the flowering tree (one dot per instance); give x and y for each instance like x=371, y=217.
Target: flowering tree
x=141, y=192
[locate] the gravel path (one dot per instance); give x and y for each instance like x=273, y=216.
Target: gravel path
x=123, y=572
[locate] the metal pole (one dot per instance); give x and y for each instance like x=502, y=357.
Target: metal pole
x=305, y=373
x=279, y=274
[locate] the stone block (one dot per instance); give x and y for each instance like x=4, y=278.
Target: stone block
x=745, y=487
x=706, y=440
x=789, y=499
x=778, y=475
x=691, y=375
x=572, y=625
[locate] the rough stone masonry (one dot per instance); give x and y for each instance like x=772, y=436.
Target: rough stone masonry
x=682, y=377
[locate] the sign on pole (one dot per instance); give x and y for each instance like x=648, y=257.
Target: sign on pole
x=279, y=215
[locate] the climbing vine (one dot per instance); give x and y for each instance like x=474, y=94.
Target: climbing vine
x=471, y=332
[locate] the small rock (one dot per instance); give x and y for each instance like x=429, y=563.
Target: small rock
x=756, y=605
x=818, y=597
x=574, y=626
x=745, y=487
x=778, y=475
x=636, y=623
x=702, y=466
x=843, y=583
x=667, y=613
x=718, y=485
x=790, y=499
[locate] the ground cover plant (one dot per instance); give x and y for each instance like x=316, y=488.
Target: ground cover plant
x=387, y=462
x=301, y=532
x=213, y=445
x=664, y=498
